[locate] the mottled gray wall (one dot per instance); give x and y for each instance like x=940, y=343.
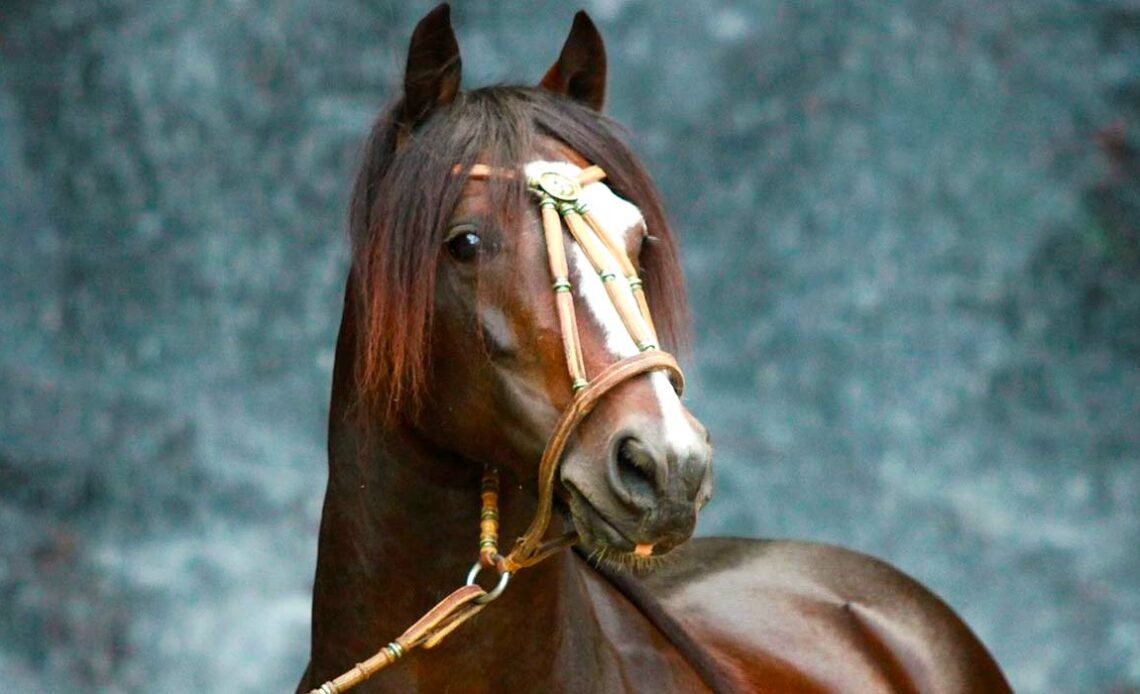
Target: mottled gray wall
x=912, y=236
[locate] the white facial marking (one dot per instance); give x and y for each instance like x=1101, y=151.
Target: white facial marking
x=620, y=218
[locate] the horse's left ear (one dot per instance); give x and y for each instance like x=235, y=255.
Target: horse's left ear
x=580, y=72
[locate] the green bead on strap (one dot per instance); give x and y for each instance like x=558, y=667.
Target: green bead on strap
x=395, y=650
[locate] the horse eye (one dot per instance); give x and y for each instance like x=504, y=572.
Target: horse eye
x=464, y=246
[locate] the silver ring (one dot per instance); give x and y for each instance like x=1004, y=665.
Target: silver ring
x=504, y=579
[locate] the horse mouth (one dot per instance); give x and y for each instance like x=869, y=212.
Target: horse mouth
x=604, y=540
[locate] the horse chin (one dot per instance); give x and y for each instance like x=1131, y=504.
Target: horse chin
x=605, y=544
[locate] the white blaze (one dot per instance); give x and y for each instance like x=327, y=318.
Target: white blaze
x=620, y=218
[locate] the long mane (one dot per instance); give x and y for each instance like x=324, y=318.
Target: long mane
x=404, y=195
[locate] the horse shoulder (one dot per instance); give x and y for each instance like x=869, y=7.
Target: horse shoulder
x=798, y=616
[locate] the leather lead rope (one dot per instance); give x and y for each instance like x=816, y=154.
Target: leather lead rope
x=559, y=200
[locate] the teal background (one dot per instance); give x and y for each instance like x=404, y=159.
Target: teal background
x=912, y=237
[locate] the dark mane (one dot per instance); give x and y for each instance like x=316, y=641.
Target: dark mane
x=401, y=203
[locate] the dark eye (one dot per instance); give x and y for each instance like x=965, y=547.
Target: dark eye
x=464, y=245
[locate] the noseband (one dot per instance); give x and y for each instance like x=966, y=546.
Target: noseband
x=560, y=200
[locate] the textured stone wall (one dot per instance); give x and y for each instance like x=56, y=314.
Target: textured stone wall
x=912, y=237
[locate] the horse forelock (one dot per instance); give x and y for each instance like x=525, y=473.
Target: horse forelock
x=404, y=196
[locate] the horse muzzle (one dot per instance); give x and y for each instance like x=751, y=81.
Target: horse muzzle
x=640, y=490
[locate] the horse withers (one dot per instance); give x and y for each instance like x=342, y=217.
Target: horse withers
x=513, y=295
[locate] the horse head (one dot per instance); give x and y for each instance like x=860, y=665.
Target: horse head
x=459, y=338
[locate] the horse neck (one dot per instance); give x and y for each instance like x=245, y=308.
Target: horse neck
x=399, y=531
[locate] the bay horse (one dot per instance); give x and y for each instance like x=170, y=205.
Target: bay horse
x=455, y=357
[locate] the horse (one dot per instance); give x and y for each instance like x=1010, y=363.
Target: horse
x=456, y=365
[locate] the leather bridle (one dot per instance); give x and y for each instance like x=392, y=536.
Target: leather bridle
x=560, y=200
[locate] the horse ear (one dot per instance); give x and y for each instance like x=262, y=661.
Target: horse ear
x=580, y=72
x=434, y=69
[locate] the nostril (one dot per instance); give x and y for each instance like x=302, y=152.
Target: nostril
x=696, y=476
x=636, y=472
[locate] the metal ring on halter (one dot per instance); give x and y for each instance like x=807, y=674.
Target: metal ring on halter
x=504, y=579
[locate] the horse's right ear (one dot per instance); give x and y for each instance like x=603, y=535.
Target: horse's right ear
x=434, y=69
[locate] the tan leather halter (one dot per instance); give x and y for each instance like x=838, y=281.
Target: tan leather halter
x=560, y=200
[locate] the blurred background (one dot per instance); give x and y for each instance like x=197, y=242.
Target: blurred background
x=912, y=237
